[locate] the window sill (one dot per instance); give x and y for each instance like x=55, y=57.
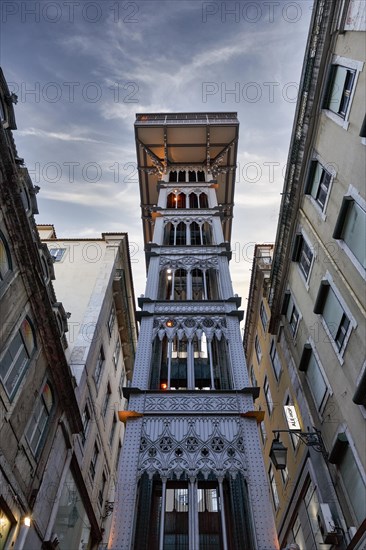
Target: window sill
x=319, y=211
x=305, y=280
x=330, y=340
x=343, y=123
x=352, y=257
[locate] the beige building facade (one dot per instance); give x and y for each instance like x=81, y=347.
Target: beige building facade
x=39, y=414
x=94, y=280
x=315, y=297
x=62, y=368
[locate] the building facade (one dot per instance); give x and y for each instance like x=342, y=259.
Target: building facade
x=61, y=377
x=298, y=488
x=94, y=281
x=191, y=473
x=315, y=297
x=39, y=413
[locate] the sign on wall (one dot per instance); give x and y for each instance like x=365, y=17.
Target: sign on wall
x=291, y=417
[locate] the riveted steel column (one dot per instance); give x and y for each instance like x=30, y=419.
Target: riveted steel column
x=162, y=516
x=222, y=512
x=212, y=376
x=193, y=527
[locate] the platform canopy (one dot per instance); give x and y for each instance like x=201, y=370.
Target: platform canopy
x=186, y=141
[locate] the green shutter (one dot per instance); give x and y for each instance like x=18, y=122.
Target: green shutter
x=305, y=357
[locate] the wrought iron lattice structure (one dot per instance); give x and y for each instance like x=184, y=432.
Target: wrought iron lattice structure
x=191, y=475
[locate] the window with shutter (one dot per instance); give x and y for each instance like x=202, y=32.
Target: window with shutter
x=351, y=229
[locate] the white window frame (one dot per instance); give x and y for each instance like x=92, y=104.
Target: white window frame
x=112, y=431
x=331, y=170
x=288, y=314
x=86, y=424
x=345, y=429
x=99, y=366
x=106, y=402
x=361, y=202
x=312, y=248
x=329, y=392
x=28, y=355
x=285, y=476
x=273, y=486
x=94, y=460
x=257, y=346
x=252, y=376
x=117, y=352
x=358, y=380
x=263, y=431
x=9, y=263
x=40, y=412
x=269, y=402
x=111, y=319
x=352, y=325
x=263, y=315
x=102, y=488
x=273, y=357
x=348, y=64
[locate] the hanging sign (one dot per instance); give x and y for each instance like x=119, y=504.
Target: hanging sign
x=291, y=417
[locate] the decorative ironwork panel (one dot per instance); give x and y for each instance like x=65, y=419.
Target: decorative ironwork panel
x=187, y=404
x=191, y=446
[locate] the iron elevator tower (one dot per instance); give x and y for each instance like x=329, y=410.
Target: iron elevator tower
x=191, y=474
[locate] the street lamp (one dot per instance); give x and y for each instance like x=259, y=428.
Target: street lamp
x=278, y=452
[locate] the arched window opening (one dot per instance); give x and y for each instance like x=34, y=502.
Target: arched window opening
x=203, y=200
x=180, y=200
x=171, y=202
x=212, y=284
x=201, y=175
x=181, y=234
x=165, y=509
x=198, y=286
x=173, y=176
x=207, y=233
x=192, y=175
x=195, y=234
x=200, y=364
x=220, y=364
x=180, y=284
x=202, y=375
x=178, y=376
x=165, y=284
x=158, y=364
x=182, y=175
x=193, y=200
x=169, y=364
x=169, y=234
x=5, y=258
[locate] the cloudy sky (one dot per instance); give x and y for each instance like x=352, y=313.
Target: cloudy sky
x=82, y=69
